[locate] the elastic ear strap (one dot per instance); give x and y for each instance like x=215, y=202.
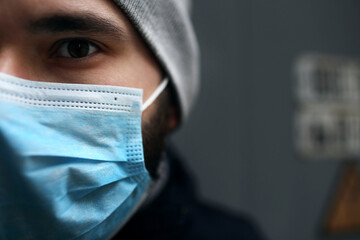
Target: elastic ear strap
x=155, y=94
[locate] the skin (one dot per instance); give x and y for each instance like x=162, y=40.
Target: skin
x=117, y=58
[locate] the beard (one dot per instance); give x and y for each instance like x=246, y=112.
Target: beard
x=154, y=133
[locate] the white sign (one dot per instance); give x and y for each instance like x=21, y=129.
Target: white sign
x=327, y=119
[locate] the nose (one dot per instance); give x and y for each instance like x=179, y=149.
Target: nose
x=12, y=62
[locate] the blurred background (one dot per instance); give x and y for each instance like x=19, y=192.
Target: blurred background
x=239, y=141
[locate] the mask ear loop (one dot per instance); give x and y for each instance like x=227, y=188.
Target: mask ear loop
x=155, y=94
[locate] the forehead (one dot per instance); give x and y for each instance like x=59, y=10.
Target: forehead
x=22, y=11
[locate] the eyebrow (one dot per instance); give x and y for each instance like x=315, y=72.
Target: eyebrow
x=83, y=23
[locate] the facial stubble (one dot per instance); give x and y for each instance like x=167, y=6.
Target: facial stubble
x=154, y=132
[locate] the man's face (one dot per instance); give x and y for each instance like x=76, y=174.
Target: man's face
x=83, y=41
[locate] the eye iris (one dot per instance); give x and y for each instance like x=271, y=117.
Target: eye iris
x=78, y=48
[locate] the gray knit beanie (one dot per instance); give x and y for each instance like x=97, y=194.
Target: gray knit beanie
x=166, y=27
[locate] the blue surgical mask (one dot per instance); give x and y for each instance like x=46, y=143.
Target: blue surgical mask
x=71, y=159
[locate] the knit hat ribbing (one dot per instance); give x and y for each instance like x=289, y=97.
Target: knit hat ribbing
x=166, y=27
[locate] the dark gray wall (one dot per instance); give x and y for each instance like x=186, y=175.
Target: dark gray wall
x=238, y=140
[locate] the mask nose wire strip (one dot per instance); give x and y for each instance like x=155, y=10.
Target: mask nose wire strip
x=155, y=94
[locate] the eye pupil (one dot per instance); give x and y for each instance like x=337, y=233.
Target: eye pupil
x=78, y=48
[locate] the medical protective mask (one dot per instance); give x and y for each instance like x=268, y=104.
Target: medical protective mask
x=71, y=159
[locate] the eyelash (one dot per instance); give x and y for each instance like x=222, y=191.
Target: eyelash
x=63, y=45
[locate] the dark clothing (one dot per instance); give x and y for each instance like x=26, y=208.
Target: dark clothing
x=177, y=214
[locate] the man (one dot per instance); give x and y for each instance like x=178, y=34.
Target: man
x=89, y=92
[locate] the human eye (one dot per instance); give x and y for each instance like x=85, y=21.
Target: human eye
x=76, y=48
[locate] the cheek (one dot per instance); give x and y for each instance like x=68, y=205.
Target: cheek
x=143, y=72
x=149, y=113
x=127, y=70
x=105, y=74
